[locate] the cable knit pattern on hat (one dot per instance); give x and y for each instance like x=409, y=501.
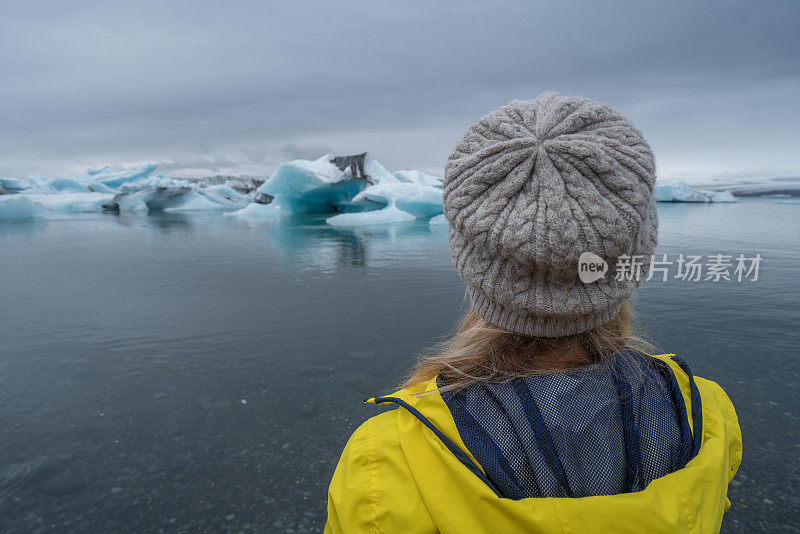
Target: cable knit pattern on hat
x=530, y=187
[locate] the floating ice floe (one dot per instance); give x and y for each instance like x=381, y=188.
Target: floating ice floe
x=43, y=205
x=681, y=192
x=175, y=195
x=318, y=186
x=108, y=189
x=358, y=189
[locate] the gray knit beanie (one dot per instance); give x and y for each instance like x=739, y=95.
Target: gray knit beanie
x=530, y=187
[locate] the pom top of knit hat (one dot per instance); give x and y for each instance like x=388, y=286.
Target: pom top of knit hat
x=528, y=189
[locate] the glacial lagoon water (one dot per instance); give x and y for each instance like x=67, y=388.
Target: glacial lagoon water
x=185, y=373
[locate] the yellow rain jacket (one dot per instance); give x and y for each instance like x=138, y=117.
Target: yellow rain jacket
x=408, y=471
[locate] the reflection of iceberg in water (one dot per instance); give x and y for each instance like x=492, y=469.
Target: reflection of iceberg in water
x=313, y=245
x=169, y=221
x=309, y=243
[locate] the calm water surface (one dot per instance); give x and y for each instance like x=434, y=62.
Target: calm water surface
x=198, y=373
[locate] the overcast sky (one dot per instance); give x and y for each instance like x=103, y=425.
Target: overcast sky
x=238, y=87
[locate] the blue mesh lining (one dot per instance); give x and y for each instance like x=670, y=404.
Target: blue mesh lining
x=610, y=428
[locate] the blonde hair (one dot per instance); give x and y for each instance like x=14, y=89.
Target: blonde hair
x=480, y=352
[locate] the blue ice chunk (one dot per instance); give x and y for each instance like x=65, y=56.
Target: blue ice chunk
x=311, y=186
x=320, y=186
x=178, y=197
x=23, y=207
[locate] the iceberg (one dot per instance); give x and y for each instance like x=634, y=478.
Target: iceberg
x=318, y=186
x=681, y=192
x=17, y=208
x=47, y=206
x=208, y=200
x=106, y=180
x=176, y=197
x=352, y=187
x=107, y=189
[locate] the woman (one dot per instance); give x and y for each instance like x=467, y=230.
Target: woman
x=540, y=415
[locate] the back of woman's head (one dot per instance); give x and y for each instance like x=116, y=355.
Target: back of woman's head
x=528, y=189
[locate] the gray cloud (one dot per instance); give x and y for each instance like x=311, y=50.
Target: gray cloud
x=207, y=89
x=244, y=161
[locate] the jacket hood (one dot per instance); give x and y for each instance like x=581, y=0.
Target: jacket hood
x=460, y=497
